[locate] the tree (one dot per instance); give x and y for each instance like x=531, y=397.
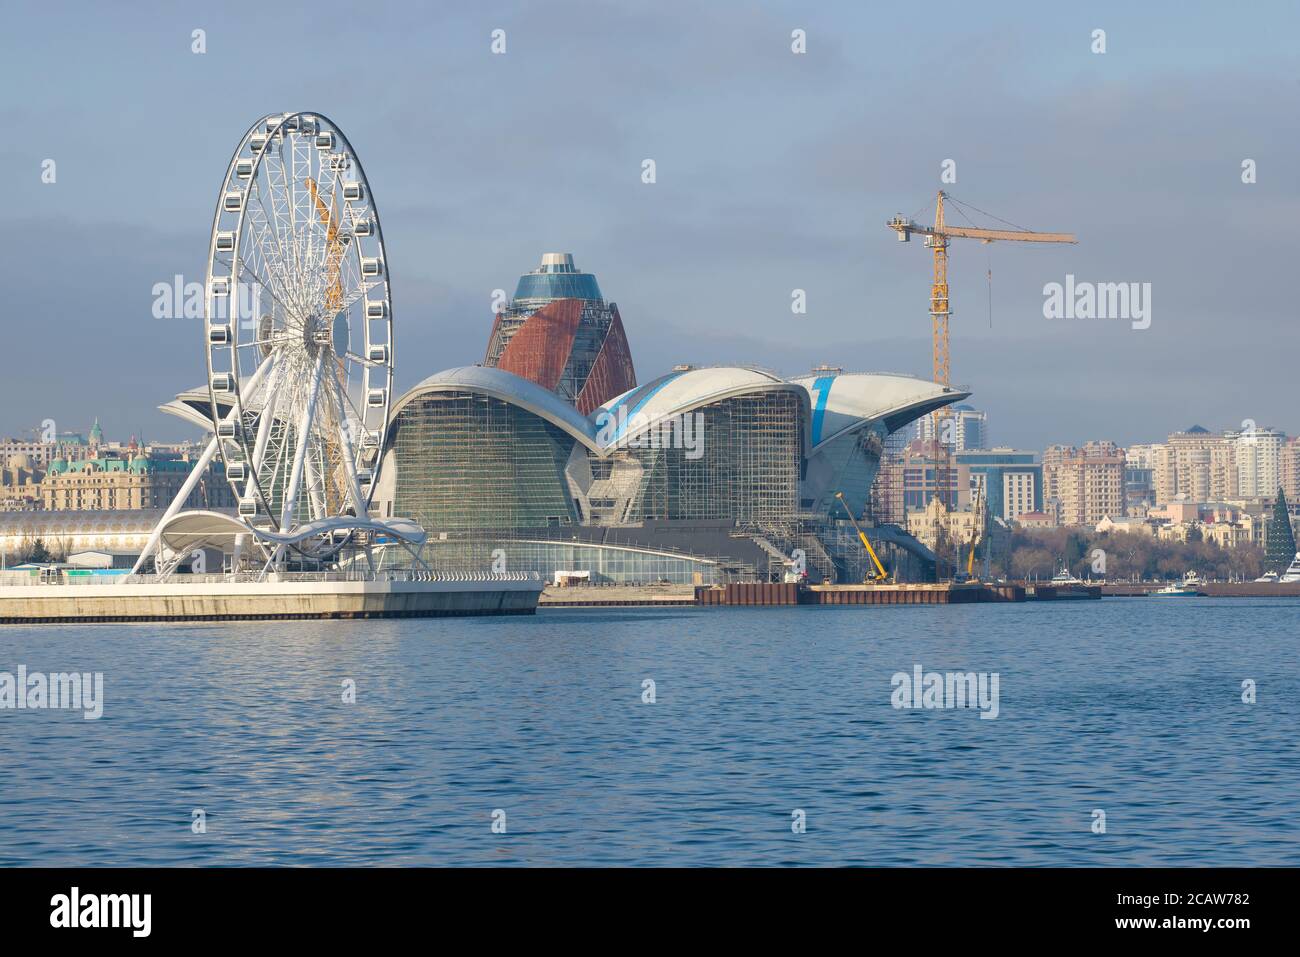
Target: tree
x=38, y=553
x=1281, y=541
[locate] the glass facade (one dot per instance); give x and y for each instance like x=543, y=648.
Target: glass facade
x=706, y=495
x=605, y=563
x=848, y=464
x=748, y=471
x=467, y=460
x=550, y=286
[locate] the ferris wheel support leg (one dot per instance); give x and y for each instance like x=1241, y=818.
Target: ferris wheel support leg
x=300, y=450
x=178, y=503
x=195, y=475
x=264, y=421
x=315, y=492
x=349, y=463
x=418, y=556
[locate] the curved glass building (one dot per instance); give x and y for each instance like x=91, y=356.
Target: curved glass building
x=704, y=474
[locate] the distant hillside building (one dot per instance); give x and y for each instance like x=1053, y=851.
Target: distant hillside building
x=1258, y=463
x=969, y=429
x=139, y=482
x=1087, y=482
x=1289, y=469
x=1012, y=480
x=1198, y=464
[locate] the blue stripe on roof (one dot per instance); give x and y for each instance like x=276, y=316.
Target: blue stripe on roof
x=650, y=393
x=822, y=390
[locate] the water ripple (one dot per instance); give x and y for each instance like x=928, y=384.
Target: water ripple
x=1131, y=707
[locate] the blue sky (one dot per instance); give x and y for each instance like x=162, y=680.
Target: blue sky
x=775, y=172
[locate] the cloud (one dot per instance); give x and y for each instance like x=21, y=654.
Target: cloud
x=775, y=172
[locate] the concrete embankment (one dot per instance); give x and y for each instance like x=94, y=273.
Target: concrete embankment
x=240, y=600
x=614, y=596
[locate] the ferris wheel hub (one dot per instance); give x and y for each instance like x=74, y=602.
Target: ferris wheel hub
x=325, y=331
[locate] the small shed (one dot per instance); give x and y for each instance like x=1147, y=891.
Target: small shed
x=102, y=558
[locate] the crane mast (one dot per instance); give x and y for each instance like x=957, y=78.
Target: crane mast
x=936, y=237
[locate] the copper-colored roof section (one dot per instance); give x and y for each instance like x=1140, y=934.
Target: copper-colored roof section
x=612, y=373
x=539, y=351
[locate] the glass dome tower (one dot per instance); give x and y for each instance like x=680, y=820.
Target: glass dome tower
x=559, y=332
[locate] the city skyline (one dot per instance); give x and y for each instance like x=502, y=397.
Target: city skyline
x=749, y=203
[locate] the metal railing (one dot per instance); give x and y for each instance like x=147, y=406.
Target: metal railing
x=182, y=579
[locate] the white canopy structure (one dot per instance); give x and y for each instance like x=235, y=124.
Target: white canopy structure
x=186, y=531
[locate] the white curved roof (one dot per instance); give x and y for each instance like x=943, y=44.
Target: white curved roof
x=507, y=387
x=837, y=403
x=843, y=402
x=189, y=530
x=680, y=391
x=192, y=406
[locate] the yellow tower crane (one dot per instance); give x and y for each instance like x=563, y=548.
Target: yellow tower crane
x=334, y=244
x=936, y=237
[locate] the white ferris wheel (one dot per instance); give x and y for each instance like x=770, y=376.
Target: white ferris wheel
x=299, y=341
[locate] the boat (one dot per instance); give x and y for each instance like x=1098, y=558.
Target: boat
x=1292, y=573
x=1065, y=587
x=1189, y=587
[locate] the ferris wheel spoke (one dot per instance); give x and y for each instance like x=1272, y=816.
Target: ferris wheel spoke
x=362, y=360
x=349, y=456
x=302, y=442
x=254, y=265
x=267, y=265
x=263, y=230
x=356, y=291
x=247, y=271
x=359, y=416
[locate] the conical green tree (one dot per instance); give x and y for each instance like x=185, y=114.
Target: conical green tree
x=1281, y=542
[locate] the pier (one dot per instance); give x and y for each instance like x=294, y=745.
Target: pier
x=282, y=596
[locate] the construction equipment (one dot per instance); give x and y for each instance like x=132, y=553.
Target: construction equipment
x=881, y=575
x=334, y=247
x=936, y=237
x=977, y=531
